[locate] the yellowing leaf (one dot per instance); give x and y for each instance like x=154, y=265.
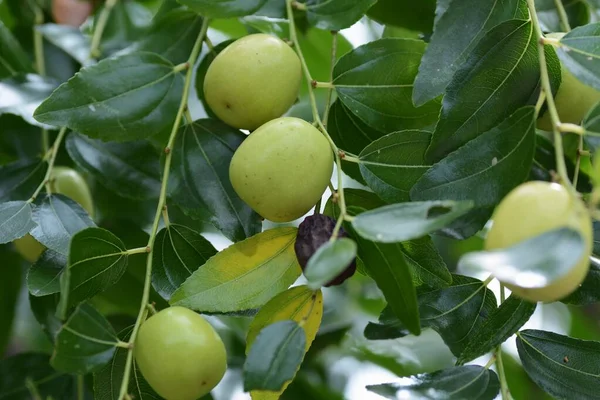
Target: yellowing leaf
x=243, y=276
x=298, y=304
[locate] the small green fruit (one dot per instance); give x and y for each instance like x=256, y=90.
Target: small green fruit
x=534, y=208
x=180, y=354
x=252, y=81
x=282, y=169
x=573, y=100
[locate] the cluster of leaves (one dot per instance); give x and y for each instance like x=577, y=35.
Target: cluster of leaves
x=439, y=128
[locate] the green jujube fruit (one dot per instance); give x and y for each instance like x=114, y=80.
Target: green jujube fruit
x=252, y=81
x=68, y=182
x=282, y=169
x=573, y=100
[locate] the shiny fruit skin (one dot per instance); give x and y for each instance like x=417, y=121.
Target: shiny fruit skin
x=252, y=81
x=71, y=12
x=65, y=181
x=282, y=169
x=573, y=100
x=180, y=354
x=534, y=208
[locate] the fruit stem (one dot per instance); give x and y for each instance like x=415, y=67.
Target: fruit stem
x=318, y=207
x=165, y=215
x=562, y=14
x=571, y=128
x=546, y=87
x=499, y=365
x=80, y=387
x=540, y=102
x=99, y=28
x=32, y=389
x=51, y=161
x=317, y=118
x=490, y=362
x=578, y=162
x=40, y=63
x=161, y=203
x=330, y=90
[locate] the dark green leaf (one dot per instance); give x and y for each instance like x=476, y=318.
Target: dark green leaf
x=18, y=370
x=578, y=13
x=564, y=367
x=470, y=382
x=412, y=15
x=369, y=82
x=426, y=264
x=589, y=291
x=454, y=38
x=13, y=59
x=223, y=8
x=329, y=261
x=201, y=157
x=85, y=343
x=44, y=310
x=532, y=263
x=476, y=100
x=18, y=180
x=579, y=51
x=107, y=381
x=351, y=134
x=391, y=165
x=591, y=123
x=97, y=260
x=502, y=323
x=406, y=221
x=130, y=169
x=172, y=36
x=70, y=40
x=15, y=220
x=134, y=96
x=58, y=218
x=201, y=73
x=485, y=169
x=18, y=140
x=275, y=356
x=128, y=22
x=22, y=94
x=178, y=252
x=43, y=277
x=10, y=287
x=334, y=15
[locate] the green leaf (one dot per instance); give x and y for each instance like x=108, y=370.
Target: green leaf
x=10, y=287
x=107, y=381
x=329, y=261
x=454, y=38
x=392, y=164
x=44, y=310
x=70, y=40
x=18, y=180
x=134, y=96
x=502, y=323
x=412, y=15
x=351, y=134
x=279, y=27
x=43, y=278
x=18, y=140
x=456, y=312
x=578, y=13
x=471, y=382
x=368, y=81
x=274, y=356
x=563, y=367
x=15, y=220
x=579, y=51
x=485, y=169
x=172, y=36
x=17, y=370
x=85, y=343
x=201, y=156
x=335, y=15
x=178, y=252
x=223, y=8
x=244, y=276
x=58, y=218
x=406, y=221
x=591, y=123
x=477, y=100
x=22, y=94
x=97, y=260
x=589, y=291
x=532, y=263
x=130, y=169
x=13, y=59
x=426, y=264
x=128, y=22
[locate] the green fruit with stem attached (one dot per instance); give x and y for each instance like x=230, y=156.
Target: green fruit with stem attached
x=252, y=81
x=180, y=354
x=282, y=169
x=532, y=209
x=65, y=181
x=573, y=100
